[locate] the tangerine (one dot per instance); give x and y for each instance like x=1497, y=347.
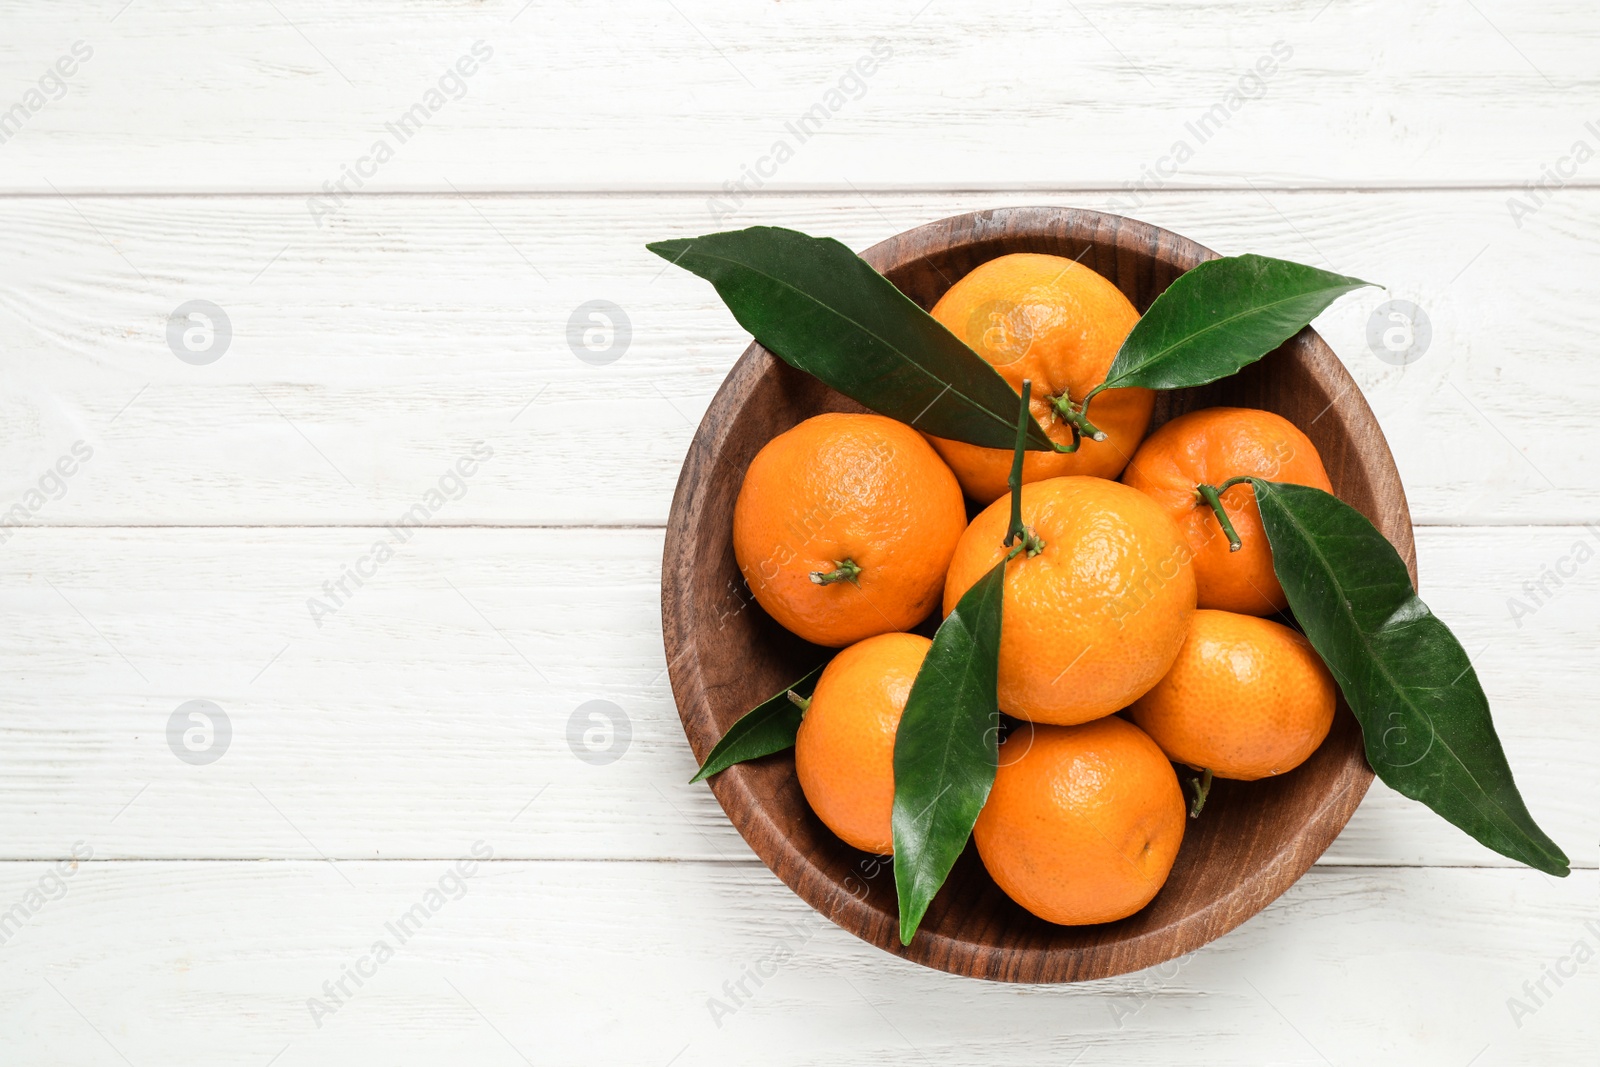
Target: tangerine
x=1246, y=698
x=1083, y=823
x=1059, y=323
x=1207, y=448
x=1095, y=616
x=844, y=752
x=844, y=526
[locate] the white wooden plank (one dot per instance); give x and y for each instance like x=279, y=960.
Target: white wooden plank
x=368, y=356
x=594, y=963
x=435, y=705
x=285, y=96
x=377, y=338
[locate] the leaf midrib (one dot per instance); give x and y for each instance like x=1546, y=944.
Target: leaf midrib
x=919, y=872
x=1256, y=310
x=859, y=325
x=1394, y=684
x=951, y=724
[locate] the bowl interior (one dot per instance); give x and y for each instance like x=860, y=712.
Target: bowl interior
x=725, y=655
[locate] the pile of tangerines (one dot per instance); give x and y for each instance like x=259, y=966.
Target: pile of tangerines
x=1136, y=627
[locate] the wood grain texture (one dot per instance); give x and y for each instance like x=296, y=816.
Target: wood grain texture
x=285, y=96
x=211, y=964
x=387, y=340
x=380, y=348
x=406, y=723
x=1253, y=843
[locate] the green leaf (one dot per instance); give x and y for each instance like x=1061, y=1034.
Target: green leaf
x=1422, y=712
x=823, y=309
x=1220, y=316
x=768, y=727
x=946, y=748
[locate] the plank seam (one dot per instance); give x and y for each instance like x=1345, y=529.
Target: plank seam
x=708, y=861
x=1509, y=186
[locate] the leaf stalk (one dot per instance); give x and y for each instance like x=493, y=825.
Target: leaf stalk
x=844, y=570
x=1202, y=789
x=1017, y=531
x=1211, y=495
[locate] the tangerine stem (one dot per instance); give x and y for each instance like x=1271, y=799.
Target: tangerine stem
x=1025, y=538
x=1077, y=418
x=1211, y=495
x=1202, y=789
x=1016, y=529
x=1083, y=408
x=1077, y=441
x=844, y=570
x=803, y=703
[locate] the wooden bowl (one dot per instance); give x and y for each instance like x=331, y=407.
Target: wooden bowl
x=725, y=654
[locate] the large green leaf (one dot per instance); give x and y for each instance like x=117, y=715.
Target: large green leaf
x=1220, y=316
x=946, y=748
x=1422, y=712
x=823, y=309
x=768, y=727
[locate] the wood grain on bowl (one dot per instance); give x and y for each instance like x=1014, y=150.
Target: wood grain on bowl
x=725, y=655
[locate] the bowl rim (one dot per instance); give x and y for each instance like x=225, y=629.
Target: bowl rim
x=744, y=806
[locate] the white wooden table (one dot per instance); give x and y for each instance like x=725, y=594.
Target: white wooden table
x=305, y=887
